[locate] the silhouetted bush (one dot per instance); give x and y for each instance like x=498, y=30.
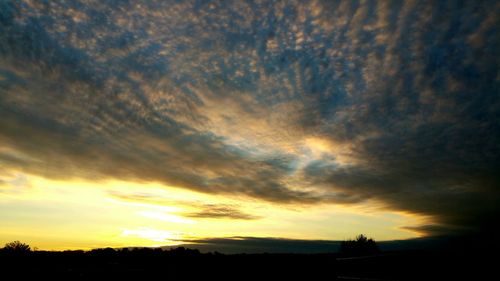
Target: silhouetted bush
x=358, y=247
x=16, y=247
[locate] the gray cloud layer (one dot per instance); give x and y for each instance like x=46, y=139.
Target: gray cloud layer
x=216, y=98
x=252, y=245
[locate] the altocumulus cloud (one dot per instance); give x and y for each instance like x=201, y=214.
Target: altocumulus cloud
x=291, y=102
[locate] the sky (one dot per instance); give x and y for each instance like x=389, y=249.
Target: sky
x=151, y=123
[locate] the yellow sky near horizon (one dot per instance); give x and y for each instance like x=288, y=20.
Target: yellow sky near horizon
x=75, y=214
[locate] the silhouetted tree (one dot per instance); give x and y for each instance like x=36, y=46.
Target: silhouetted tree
x=358, y=247
x=18, y=247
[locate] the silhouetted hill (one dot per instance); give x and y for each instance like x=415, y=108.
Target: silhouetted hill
x=258, y=245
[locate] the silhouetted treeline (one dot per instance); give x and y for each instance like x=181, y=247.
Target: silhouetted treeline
x=173, y=264
x=18, y=262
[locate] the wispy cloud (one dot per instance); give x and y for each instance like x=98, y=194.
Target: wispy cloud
x=199, y=210
x=13, y=183
x=212, y=211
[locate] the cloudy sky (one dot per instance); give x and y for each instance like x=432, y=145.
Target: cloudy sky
x=160, y=122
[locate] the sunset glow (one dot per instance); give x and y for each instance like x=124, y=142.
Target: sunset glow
x=157, y=123
x=83, y=215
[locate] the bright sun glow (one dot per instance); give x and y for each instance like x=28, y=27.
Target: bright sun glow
x=155, y=235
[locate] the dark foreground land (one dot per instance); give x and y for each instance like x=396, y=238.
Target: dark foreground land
x=181, y=263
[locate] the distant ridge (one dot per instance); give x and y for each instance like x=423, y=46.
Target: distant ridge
x=257, y=245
